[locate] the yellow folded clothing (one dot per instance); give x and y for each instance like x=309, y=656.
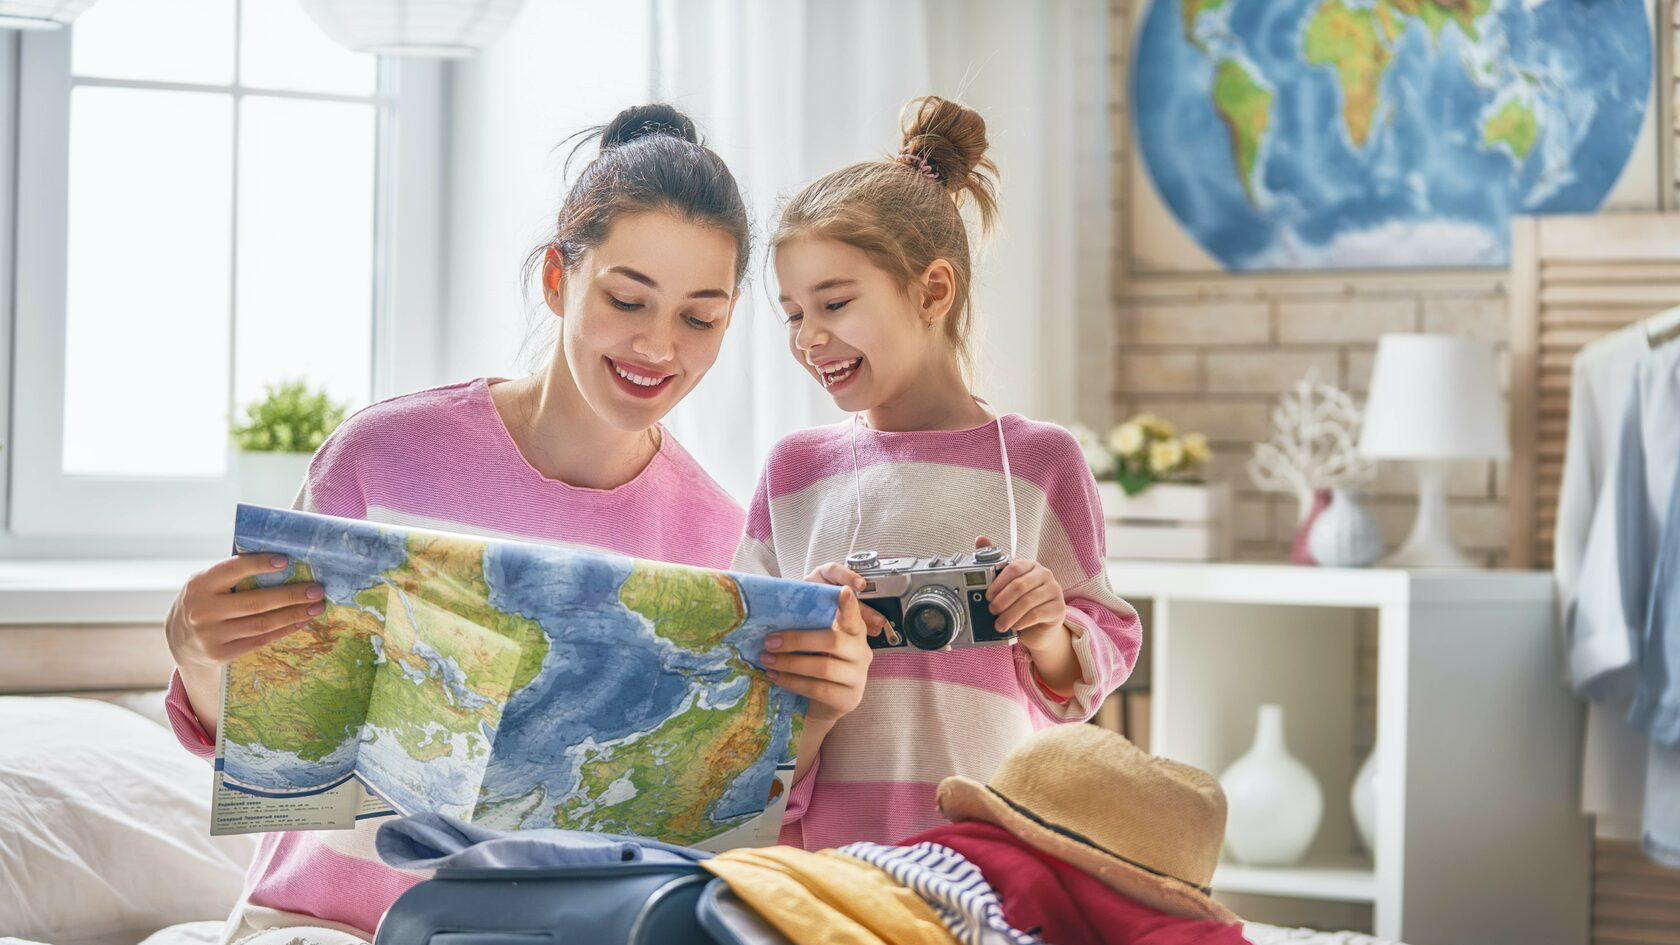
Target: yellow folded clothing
x=828, y=898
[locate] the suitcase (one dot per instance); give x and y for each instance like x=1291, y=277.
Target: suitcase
x=618, y=904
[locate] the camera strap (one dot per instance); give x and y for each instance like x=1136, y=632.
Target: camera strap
x=1008, y=482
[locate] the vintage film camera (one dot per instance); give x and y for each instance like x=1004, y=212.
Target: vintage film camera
x=936, y=603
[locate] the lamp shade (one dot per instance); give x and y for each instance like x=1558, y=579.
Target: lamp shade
x=437, y=29
x=1434, y=397
x=40, y=14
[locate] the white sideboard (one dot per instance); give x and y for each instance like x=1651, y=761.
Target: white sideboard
x=1486, y=843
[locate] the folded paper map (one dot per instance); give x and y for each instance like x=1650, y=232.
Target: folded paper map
x=515, y=685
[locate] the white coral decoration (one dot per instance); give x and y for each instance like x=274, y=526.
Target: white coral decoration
x=1312, y=446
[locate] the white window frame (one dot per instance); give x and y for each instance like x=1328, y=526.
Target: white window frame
x=49, y=514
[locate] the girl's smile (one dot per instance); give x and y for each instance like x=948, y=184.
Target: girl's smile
x=836, y=373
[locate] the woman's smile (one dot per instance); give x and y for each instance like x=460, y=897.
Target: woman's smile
x=636, y=380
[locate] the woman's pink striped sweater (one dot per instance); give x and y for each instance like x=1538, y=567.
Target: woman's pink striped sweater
x=926, y=716
x=442, y=459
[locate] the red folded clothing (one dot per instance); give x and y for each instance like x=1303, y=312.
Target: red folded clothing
x=1064, y=905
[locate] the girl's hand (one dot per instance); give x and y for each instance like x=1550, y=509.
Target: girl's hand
x=210, y=624
x=829, y=667
x=839, y=575
x=1027, y=598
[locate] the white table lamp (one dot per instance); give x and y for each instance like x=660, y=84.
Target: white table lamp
x=1434, y=400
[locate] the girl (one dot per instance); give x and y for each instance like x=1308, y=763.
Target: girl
x=643, y=272
x=873, y=263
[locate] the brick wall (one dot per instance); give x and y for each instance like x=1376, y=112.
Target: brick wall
x=1213, y=355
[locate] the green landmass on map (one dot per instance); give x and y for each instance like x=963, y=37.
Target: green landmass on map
x=1357, y=42
x=692, y=608
x=448, y=572
x=423, y=714
x=674, y=769
x=1514, y=126
x=1346, y=39
x=1246, y=108
x=307, y=692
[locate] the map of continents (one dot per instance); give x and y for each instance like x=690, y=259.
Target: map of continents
x=410, y=662
x=646, y=717
x=1323, y=134
x=522, y=686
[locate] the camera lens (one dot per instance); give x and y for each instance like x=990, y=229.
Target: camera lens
x=931, y=618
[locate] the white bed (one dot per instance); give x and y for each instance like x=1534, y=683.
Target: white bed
x=103, y=832
x=103, y=827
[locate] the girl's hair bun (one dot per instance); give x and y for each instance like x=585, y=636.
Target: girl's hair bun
x=946, y=141
x=648, y=121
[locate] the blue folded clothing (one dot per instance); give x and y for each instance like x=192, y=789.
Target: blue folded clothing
x=433, y=841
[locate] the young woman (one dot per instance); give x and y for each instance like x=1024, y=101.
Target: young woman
x=643, y=271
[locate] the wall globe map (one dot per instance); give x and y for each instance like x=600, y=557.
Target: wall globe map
x=1337, y=134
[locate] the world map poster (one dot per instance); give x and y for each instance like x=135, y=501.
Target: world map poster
x=511, y=684
x=1355, y=134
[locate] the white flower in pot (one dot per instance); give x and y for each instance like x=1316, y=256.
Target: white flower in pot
x=1154, y=498
x=282, y=431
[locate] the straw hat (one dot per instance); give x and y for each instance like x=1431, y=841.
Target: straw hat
x=1148, y=827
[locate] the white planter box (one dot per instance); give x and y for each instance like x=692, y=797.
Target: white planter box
x=1168, y=521
x=271, y=479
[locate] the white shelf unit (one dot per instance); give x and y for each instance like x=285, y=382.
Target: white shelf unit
x=1486, y=842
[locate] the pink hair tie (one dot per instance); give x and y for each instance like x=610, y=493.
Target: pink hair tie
x=919, y=163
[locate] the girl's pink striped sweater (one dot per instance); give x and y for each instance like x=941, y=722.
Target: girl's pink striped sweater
x=926, y=716
x=442, y=459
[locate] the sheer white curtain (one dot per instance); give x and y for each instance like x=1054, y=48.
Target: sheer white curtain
x=787, y=90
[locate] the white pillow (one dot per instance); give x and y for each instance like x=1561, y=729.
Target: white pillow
x=104, y=826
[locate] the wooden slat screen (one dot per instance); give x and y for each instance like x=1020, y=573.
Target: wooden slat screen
x=1574, y=279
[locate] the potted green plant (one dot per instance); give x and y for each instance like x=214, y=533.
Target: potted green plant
x=280, y=434
x=1155, y=499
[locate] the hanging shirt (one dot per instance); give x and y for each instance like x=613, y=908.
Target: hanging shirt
x=1620, y=640
x=1650, y=453
x=1614, y=756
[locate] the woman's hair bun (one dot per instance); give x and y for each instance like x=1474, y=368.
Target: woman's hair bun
x=947, y=141
x=648, y=121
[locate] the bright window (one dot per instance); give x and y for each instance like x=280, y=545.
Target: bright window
x=203, y=211
x=208, y=218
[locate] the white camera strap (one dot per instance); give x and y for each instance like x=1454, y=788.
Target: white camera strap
x=1008, y=482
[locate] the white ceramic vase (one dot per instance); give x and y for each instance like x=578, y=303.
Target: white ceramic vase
x=1345, y=534
x=1273, y=803
x=1364, y=799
